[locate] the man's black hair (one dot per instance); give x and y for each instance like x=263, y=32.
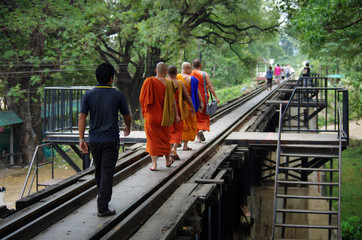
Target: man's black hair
x=307, y=64
x=172, y=70
x=104, y=73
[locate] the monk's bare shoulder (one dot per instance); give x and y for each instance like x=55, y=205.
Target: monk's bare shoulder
x=187, y=78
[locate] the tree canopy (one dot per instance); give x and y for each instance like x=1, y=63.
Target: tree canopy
x=60, y=43
x=330, y=32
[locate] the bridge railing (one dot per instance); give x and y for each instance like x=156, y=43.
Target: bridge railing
x=315, y=109
x=312, y=81
x=61, y=108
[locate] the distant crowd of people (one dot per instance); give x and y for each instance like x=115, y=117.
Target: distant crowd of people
x=174, y=108
x=280, y=73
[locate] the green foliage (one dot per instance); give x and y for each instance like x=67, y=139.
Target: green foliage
x=17, y=92
x=62, y=40
x=330, y=33
x=35, y=79
x=352, y=228
x=230, y=93
x=351, y=180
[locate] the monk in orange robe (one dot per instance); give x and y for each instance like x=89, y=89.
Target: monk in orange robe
x=190, y=124
x=177, y=128
x=203, y=120
x=152, y=99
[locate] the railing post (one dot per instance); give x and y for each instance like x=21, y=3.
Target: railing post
x=44, y=112
x=345, y=114
x=70, y=114
x=277, y=169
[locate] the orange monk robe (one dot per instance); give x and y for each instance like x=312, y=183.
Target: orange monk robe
x=203, y=120
x=190, y=123
x=152, y=100
x=176, y=129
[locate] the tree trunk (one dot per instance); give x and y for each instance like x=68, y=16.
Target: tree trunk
x=131, y=86
x=29, y=133
x=27, y=104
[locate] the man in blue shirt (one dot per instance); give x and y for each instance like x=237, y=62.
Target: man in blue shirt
x=103, y=103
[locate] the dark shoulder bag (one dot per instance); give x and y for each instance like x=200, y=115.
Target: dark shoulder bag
x=210, y=106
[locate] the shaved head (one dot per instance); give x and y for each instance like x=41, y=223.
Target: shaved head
x=172, y=70
x=161, y=69
x=196, y=63
x=186, y=65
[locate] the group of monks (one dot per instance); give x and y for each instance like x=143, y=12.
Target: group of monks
x=169, y=106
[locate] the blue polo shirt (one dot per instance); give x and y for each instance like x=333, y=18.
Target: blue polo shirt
x=104, y=103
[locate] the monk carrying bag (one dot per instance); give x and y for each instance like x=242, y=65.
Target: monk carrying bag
x=210, y=106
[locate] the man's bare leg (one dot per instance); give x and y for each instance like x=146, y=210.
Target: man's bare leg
x=185, y=146
x=174, y=150
x=169, y=160
x=154, y=163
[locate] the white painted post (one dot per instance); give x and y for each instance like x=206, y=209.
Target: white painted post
x=11, y=145
x=2, y=193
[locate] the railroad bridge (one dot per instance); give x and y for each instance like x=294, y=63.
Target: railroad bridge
x=270, y=168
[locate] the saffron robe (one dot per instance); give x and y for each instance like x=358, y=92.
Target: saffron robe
x=152, y=99
x=176, y=129
x=190, y=123
x=203, y=120
x=168, y=116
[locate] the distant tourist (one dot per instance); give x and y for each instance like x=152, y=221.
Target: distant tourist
x=283, y=71
x=292, y=72
x=287, y=71
x=277, y=72
x=269, y=78
x=306, y=71
x=103, y=103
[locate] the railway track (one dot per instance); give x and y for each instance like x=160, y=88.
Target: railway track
x=57, y=202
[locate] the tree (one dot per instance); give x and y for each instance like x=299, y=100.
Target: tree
x=330, y=31
x=34, y=45
x=46, y=40
x=139, y=35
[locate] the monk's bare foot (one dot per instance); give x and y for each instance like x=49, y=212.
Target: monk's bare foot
x=173, y=152
x=200, y=136
x=169, y=161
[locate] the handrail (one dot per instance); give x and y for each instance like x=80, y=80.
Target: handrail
x=30, y=167
x=325, y=90
x=307, y=88
x=342, y=135
x=341, y=132
x=277, y=169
